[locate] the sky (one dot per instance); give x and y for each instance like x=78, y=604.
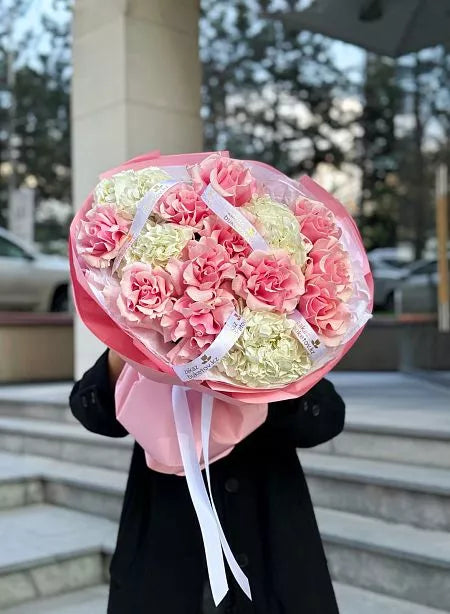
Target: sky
x=31, y=22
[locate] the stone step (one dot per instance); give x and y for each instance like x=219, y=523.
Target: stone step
x=26, y=479
x=54, y=413
x=385, y=490
x=368, y=438
x=395, y=417
x=418, y=496
x=401, y=443
x=36, y=394
x=42, y=401
x=91, y=600
x=63, y=441
x=376, y=555
x=46, y=550
x=354, y=600
x=396, y=560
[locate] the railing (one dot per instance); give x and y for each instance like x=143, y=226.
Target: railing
x=29, y=318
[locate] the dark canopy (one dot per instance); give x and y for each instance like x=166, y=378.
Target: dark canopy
x=387, y=27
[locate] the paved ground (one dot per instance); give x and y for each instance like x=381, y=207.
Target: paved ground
x=396, y=399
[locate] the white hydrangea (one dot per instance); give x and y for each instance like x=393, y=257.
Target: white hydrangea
x=267, y=353
x=125, y=189
x=130, y=186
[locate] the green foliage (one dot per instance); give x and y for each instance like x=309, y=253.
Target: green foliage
x=379, y=207
x=424, y=78
x=406, y=131
x=268, y=92
x=35, y=105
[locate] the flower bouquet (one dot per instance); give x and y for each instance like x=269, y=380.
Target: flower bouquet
x=224, y=285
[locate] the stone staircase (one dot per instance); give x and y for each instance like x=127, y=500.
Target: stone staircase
x=59, y=508
x=382, y=496
x=381, y=491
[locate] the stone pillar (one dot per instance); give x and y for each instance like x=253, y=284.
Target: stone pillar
x=136, y=87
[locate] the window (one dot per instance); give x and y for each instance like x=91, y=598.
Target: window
x=396, y=264
x=11, y=250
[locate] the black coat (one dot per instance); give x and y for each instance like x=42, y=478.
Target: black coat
x=261, y=496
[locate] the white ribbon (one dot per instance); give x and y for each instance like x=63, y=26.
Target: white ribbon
x=222, y=344
x=307, y=336
x=206, y=418
x=143, y=209
x=234, y=218
x=199, y=496
x=214, y=539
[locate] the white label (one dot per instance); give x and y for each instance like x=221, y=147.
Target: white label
x=307, y=336
x=222, y=344
x=234, y=218
x=143, y=209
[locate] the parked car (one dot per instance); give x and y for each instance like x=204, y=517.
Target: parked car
x=419, y=289
x=389, y=267
x=30, y=280
x=396, y=257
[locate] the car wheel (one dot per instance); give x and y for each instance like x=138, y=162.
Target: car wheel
x=60, y=300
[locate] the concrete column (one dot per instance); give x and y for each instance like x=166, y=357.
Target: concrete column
x=136, y=87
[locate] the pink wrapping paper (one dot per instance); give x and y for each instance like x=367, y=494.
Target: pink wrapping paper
x=144, y=407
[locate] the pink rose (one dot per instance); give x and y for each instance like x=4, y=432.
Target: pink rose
x=315, y=220
x=207, y=265
x=270, y=282
x=236, y=246
x=324, y=311
x=101, y=235
x=304, y=205
x=195, y=321
x=230, y=178
x=189, y=348
x=146, y=293
x=329, y=260
x=182, y=205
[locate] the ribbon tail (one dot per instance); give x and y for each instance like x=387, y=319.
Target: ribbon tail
x=207, y=520
x=206, y=418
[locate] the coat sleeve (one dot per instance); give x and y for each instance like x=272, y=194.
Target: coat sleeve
x=92, y=401
x=310, y=420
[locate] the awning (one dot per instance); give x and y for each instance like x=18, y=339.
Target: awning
x=387, y=27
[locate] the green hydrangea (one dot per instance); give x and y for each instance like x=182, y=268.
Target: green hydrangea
x=157, y=244
x=279, y=227
x=266, y=354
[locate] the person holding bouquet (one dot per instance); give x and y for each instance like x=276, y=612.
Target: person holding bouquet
x=225, y=292
x=262, y=500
